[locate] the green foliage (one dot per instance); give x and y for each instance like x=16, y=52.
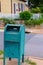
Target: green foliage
x=7, y=20
x=41, y=1
x=40, y=5
x=1, y=18
x=37, y=21
x=25, y=15
x=30, y=62
x=33, y=22
x=17, y=19
x=35, y=10
x=26, y=22
x=1, y=52
x=36, y=2
x=42, y=15
x=41, y=9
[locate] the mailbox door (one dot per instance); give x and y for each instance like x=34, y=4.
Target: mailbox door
x=11, y=49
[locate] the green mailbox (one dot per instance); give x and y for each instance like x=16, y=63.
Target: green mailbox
x=14, y=39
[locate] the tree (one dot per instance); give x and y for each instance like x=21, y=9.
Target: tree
x=36, y=2
x=41, y=1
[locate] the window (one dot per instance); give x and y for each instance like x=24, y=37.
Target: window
x=18, y=7
x=14, y=7
x=0, y=6
x=21, y=6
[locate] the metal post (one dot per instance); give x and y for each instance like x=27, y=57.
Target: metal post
x=23, y=58
x=9, y=59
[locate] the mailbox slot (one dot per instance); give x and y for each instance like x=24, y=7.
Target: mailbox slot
x=13, y=28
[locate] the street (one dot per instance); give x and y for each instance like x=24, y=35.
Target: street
x=33, y=44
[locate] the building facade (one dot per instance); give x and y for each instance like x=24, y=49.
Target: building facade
x=12, y=6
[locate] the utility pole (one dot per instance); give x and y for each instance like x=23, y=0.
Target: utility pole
x=11, y=8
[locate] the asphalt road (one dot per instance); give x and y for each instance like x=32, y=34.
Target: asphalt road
x=33, y=44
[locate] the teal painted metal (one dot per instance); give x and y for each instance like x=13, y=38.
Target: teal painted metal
x=14, y=39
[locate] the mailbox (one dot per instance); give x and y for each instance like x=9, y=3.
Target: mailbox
x=14, y=37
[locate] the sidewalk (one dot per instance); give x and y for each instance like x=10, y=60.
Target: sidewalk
x=37, y=60
x=14, y=61
x=39, y=31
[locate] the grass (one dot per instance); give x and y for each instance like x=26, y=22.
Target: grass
x=1, y=52
x=30, y=62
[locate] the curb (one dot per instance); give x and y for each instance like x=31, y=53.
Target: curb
x=36, y=58
x=33, y=57
x=1, y=30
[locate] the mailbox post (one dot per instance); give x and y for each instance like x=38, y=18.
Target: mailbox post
x=14, y=37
